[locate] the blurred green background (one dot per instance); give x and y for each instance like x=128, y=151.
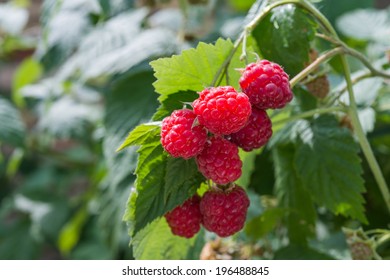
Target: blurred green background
x=74, y=80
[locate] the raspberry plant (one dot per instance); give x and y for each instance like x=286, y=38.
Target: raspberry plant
x=246, y=129
x=316, y=161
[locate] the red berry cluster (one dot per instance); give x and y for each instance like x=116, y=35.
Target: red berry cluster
x=220, y=211
x=222, y=120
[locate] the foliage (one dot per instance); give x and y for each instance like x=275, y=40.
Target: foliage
x=82, y=170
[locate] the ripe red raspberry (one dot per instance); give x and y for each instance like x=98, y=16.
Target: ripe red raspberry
x=178, y=136
x=185, y=219
x=266, y=85
x=222, y=110
x=255, y=133
x=224, y=212
x=219, y=161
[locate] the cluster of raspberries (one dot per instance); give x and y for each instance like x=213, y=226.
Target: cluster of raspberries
x=222, y=120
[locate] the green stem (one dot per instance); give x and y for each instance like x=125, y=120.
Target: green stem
x=313, y=66
x=342, y=49
x=364, y=144
x=356, y=80
x=377, y=231
x=356, y=54
x=247, y=29
x=384, y=239
x=366, y=62
x=226, y=62
x=309, y=114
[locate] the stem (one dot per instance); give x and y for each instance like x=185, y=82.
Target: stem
x=366, y=62
x=243, y=53
x=356, y=54
x=309, y=114
x=357, y=79
x=342, y=49
x=303, y=4
x=248, y=28
x=316, y=75
x=226, y=62
x=183, y=4
x=377, y=231
x=364, y=144
x=384, y=239
x=313, y=66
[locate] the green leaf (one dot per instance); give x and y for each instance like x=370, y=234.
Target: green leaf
x=130, y=100
x=12, y=129
x=296, y=252
x=259, y=226
x=241, y=5
x=366, y=92
x=15, y=234
x=301, y=215
x=156, y=242
x=367, y=118
x=303, y=100
x=150, y=43
x=366, y=24
x=256, y=8
x=64, y=24
x=141, y=134
x=71, y=232
x=115, y=46
x=193, y=70
x=328, y=7
x=28, y=72
x=162, y=183
x=248, y=166
x=68, y=117
x=14, y=162
x=173, y=102
x=328, y=164
x=110, y=7
x=284, y=37
x=181, y=174
x=287, y=134
x=262, y=179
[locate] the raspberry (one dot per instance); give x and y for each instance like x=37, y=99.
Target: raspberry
x=185, y=219
x=361, y=250
x=178, y=136
x=319, y=87
x=255, y=133
x=360, y=245
x=224, y=212
x=222, y=110
x=266, y=85
x=219, y=161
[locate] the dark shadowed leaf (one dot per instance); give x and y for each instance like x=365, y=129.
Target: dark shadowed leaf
x=284, y=37
x=301, y=214
x=328, y=164
x=12, y=129
x=296, y=252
